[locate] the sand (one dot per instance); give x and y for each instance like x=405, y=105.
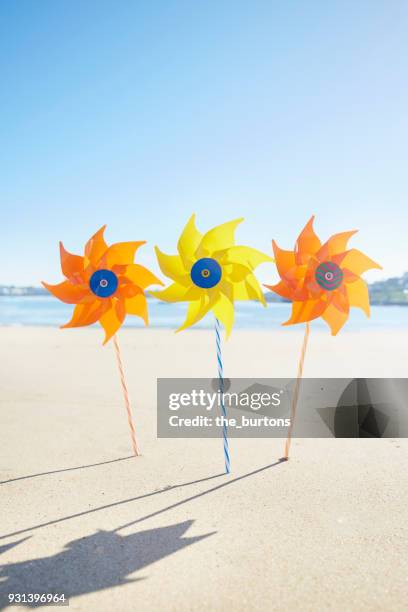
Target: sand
x=168, y=531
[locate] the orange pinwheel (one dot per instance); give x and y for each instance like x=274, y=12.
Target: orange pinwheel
x=105, y=284
x=322, y=280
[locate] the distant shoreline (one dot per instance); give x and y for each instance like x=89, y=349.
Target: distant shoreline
x=269, y=299
x=389, y=292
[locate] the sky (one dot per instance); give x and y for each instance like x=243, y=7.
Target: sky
x=137, y=114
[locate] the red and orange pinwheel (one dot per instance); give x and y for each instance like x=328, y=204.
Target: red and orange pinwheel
x=105, y=285
x=321, y=280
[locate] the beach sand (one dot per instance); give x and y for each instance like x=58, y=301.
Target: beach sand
x=326, y=530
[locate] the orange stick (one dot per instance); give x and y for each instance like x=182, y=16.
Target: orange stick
x=126, y=397
x=296, y=391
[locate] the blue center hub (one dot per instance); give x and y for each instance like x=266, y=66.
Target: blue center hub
x=206, y=273
x=103, y=283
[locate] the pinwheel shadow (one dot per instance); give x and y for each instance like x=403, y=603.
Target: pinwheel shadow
x=177, y=504
x=102, y=560
x=69, y=469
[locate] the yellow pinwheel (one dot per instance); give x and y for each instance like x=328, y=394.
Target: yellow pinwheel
x=210, y=272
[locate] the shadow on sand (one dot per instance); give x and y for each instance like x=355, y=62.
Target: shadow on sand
x=70, y=469
x=227, y=483
x=100, y=561
x=104, y=559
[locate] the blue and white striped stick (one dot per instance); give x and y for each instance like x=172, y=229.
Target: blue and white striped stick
x=221, y=389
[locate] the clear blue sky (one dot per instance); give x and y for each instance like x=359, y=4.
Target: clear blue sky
x=137, y=113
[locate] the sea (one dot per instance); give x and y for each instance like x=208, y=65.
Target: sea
x=47, y=311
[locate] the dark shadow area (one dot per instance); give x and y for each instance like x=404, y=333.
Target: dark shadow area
x=360, y=413
x=373, y=422
x=133, y=499
x=70, y=469
x=7, y=547
x=100, y=561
